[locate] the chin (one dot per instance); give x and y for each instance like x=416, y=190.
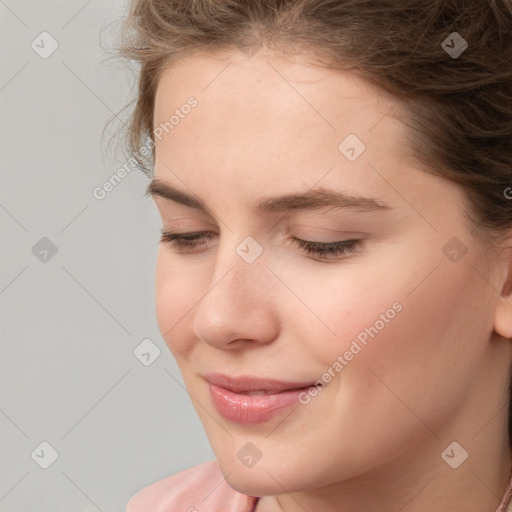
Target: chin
x=254, y=483
x=265, y=479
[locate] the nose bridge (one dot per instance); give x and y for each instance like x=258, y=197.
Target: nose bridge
x=239, y=267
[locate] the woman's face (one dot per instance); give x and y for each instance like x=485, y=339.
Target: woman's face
x=399, y=327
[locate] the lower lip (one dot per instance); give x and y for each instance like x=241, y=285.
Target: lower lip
x=249, y=409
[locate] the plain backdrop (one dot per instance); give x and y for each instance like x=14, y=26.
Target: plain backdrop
x=92, y=405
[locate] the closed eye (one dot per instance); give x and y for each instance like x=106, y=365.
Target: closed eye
x=190, y=242
x=329, y=249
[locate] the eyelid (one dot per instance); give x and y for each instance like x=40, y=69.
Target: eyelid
x=326, y=251
x=179, y=216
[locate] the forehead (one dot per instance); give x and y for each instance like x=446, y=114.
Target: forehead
x=272, y=105
x=270, y=80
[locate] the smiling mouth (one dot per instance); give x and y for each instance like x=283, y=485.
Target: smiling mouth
x=255, y=405
x=255, y=386
x=269, y=392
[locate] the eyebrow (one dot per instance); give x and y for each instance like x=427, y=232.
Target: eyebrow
x=310, y=200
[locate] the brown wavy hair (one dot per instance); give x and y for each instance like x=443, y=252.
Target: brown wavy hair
x=459, y=107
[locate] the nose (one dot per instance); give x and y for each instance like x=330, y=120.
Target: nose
x=239, y=306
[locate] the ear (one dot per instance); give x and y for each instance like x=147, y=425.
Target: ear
x=503, y=312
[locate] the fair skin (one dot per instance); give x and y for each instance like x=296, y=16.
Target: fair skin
x=436, y=373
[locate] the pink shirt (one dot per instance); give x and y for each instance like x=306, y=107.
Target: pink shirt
x=202, y=488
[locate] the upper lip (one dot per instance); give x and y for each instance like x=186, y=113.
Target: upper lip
x=247, y=383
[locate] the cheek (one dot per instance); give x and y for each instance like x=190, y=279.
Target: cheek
x=420, y=332
x=424, y=359
x=335, y=308
x=175, y=295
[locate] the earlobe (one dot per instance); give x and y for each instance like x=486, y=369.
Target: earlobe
x=503, y=318
x=503, y=314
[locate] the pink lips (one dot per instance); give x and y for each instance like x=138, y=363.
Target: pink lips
x=249, y=400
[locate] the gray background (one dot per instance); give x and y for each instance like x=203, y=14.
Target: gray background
x=71, y=321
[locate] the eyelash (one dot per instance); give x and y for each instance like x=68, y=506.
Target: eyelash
x=183, y=241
